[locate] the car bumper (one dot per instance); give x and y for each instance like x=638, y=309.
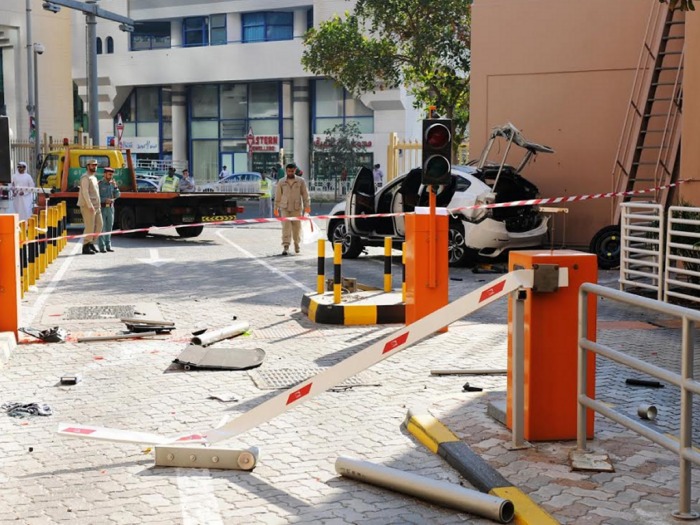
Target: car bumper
x=491, y=238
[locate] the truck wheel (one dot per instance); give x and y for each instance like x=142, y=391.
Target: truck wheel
x=606, y=246
x=187, y=232
x=459, y=254
x=127, y=221
x=338, y=232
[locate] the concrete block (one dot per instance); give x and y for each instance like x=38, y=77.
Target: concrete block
x=8, y=342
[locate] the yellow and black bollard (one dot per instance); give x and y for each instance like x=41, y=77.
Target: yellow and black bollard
x=321, y=267
x=42, y=241
x=387, y=264
x=337, y=261
x=32, y=248
x=64, y=222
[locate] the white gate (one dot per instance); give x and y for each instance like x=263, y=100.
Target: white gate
x=641, y=253
x=682, y=275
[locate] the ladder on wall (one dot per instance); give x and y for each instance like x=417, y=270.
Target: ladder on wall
x=649, y=150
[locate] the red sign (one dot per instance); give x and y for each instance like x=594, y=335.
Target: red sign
x=490, y=292
x=395, y=343
x=298, y=394
x=265, y=143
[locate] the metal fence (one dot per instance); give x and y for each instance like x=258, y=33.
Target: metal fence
x=682, y=445
x=682, y=272
x=641, y=250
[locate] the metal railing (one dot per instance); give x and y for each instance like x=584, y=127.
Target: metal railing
x=682, y=273
x=683, y=447
x=641, y=250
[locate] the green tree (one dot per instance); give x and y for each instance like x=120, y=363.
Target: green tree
x=421, y=44
x=338, y=152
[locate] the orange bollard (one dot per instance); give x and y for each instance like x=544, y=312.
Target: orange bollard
x=551, y=347
x=422, y=296
x=9, y=274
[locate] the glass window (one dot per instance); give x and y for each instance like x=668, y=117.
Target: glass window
x=110, y=45
x=355, y=108
x=147, y=129
x=329, y=99
x=366, y=124
x=234, y=101
x=265, y=127
x=231, y=129
x=205, y=129
x=217, y=25
x=309, y=18
x=150, y=35
x=204, y=101
x=264, y=100
x=195, y=31
x=147, y=103
x=205, y=155
x=99, y=46
x=267, y=26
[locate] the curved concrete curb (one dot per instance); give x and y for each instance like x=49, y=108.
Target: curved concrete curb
x=440, y=440
x=352, y=314
x=8, y=343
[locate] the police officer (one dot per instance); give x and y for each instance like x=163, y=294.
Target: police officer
x=169, y=182
x=266, y=197
x=109, y=192
x=89, y=203
x=291, y=200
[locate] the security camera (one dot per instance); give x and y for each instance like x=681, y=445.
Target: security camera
x=50, y=6
x=39, y=49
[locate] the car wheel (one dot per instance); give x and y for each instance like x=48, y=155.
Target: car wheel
x=127, y=221
x=351, y=245
x=606, y=246
x=187, y=232
x=459, y=254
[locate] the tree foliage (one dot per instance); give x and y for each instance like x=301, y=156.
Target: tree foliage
x=338, y=153
x=421, y=44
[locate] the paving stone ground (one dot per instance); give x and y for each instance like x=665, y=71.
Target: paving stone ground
x=227, y=272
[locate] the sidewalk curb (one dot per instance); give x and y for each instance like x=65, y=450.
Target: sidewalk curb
x=8, y=343
x=351, y=314
x=440, y=440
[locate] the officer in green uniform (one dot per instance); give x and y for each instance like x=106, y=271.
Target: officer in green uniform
x=266, y=197
x=109, y=192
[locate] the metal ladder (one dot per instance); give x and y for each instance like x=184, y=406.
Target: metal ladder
x=649, y=148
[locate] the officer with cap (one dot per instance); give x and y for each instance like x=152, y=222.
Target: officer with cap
x=89, y=203
x=109, y=192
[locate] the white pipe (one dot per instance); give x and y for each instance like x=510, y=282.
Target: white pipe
x=433, y=491
x=208, y=338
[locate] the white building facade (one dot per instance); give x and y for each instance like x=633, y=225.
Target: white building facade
x=202, y=83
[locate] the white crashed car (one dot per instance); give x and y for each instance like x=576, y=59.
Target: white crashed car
x=472, y=233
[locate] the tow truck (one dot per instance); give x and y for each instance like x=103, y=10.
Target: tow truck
x=60, y=174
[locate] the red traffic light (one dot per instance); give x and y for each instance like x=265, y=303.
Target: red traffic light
x=437, y=135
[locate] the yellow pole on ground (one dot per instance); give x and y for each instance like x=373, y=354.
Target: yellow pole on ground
x=387, y=264
x=52, y=234
x=31, y=250
x=321, y=268
x=42, y=244
x=337, y=260
x=9, y=273
x=61, y=226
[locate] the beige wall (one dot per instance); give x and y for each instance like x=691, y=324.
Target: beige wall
x=561, y=71
x=690, y=154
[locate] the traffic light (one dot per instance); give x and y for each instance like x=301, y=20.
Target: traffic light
x=437, y=151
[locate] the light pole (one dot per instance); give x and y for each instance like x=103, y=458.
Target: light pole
x=30, y=66
x=38, y=49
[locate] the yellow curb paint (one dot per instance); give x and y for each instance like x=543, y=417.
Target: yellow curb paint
x=430, y=431
x=527, y=512
x=356, y=315
x=313, y=306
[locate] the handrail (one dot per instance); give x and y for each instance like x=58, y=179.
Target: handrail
x=685, y=381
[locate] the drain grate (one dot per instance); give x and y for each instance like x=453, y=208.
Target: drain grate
x=100, y=312
x=278, y=378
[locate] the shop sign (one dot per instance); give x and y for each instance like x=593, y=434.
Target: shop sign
x=265, y=144
x=141, y=144
x=319, y=143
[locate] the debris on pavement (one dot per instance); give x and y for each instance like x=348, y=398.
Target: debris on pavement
x=116, y=337
x=50, y=335
x=468, y=388
x=224, y=397
x=22, y=410
x=643, y=382
x=473, y=372
x=219, y=358
x=69, y=380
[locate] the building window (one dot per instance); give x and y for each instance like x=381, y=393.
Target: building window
x=268, y=26
x=150, y=35
x=3, y=109
x=333, y=105
x=217, y=25
x=110, y=45
x=99, y=46
x=195, y=31
x=309, y=18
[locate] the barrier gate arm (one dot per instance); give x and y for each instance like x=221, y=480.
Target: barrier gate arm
x=314, y=386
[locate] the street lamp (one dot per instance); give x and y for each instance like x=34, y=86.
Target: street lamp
x=38, y=50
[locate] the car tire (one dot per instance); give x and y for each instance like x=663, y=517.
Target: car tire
x=606, y=244
x=458, y=253
x=187, y=232
x=351, y=246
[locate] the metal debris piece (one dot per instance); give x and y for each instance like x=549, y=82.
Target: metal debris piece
x=69, y=380
x=147, y=321
x=116, y=337
x=590, y=461
x=215, y=358
x=52, y=335
x=23, y=410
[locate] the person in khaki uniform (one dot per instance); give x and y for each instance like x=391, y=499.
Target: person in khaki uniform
x=291, y=200
x=89, y=202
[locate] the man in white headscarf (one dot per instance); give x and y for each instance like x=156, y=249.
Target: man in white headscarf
x=22, y=193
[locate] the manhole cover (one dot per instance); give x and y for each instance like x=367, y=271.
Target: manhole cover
x=278, y=378
x=100, y=312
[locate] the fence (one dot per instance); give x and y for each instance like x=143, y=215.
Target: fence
x=661, y=252
x=683, y=445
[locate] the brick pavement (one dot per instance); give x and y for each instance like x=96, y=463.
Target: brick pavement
x=129, y=384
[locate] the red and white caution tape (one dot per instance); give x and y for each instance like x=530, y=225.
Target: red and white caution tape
x=262, y=220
